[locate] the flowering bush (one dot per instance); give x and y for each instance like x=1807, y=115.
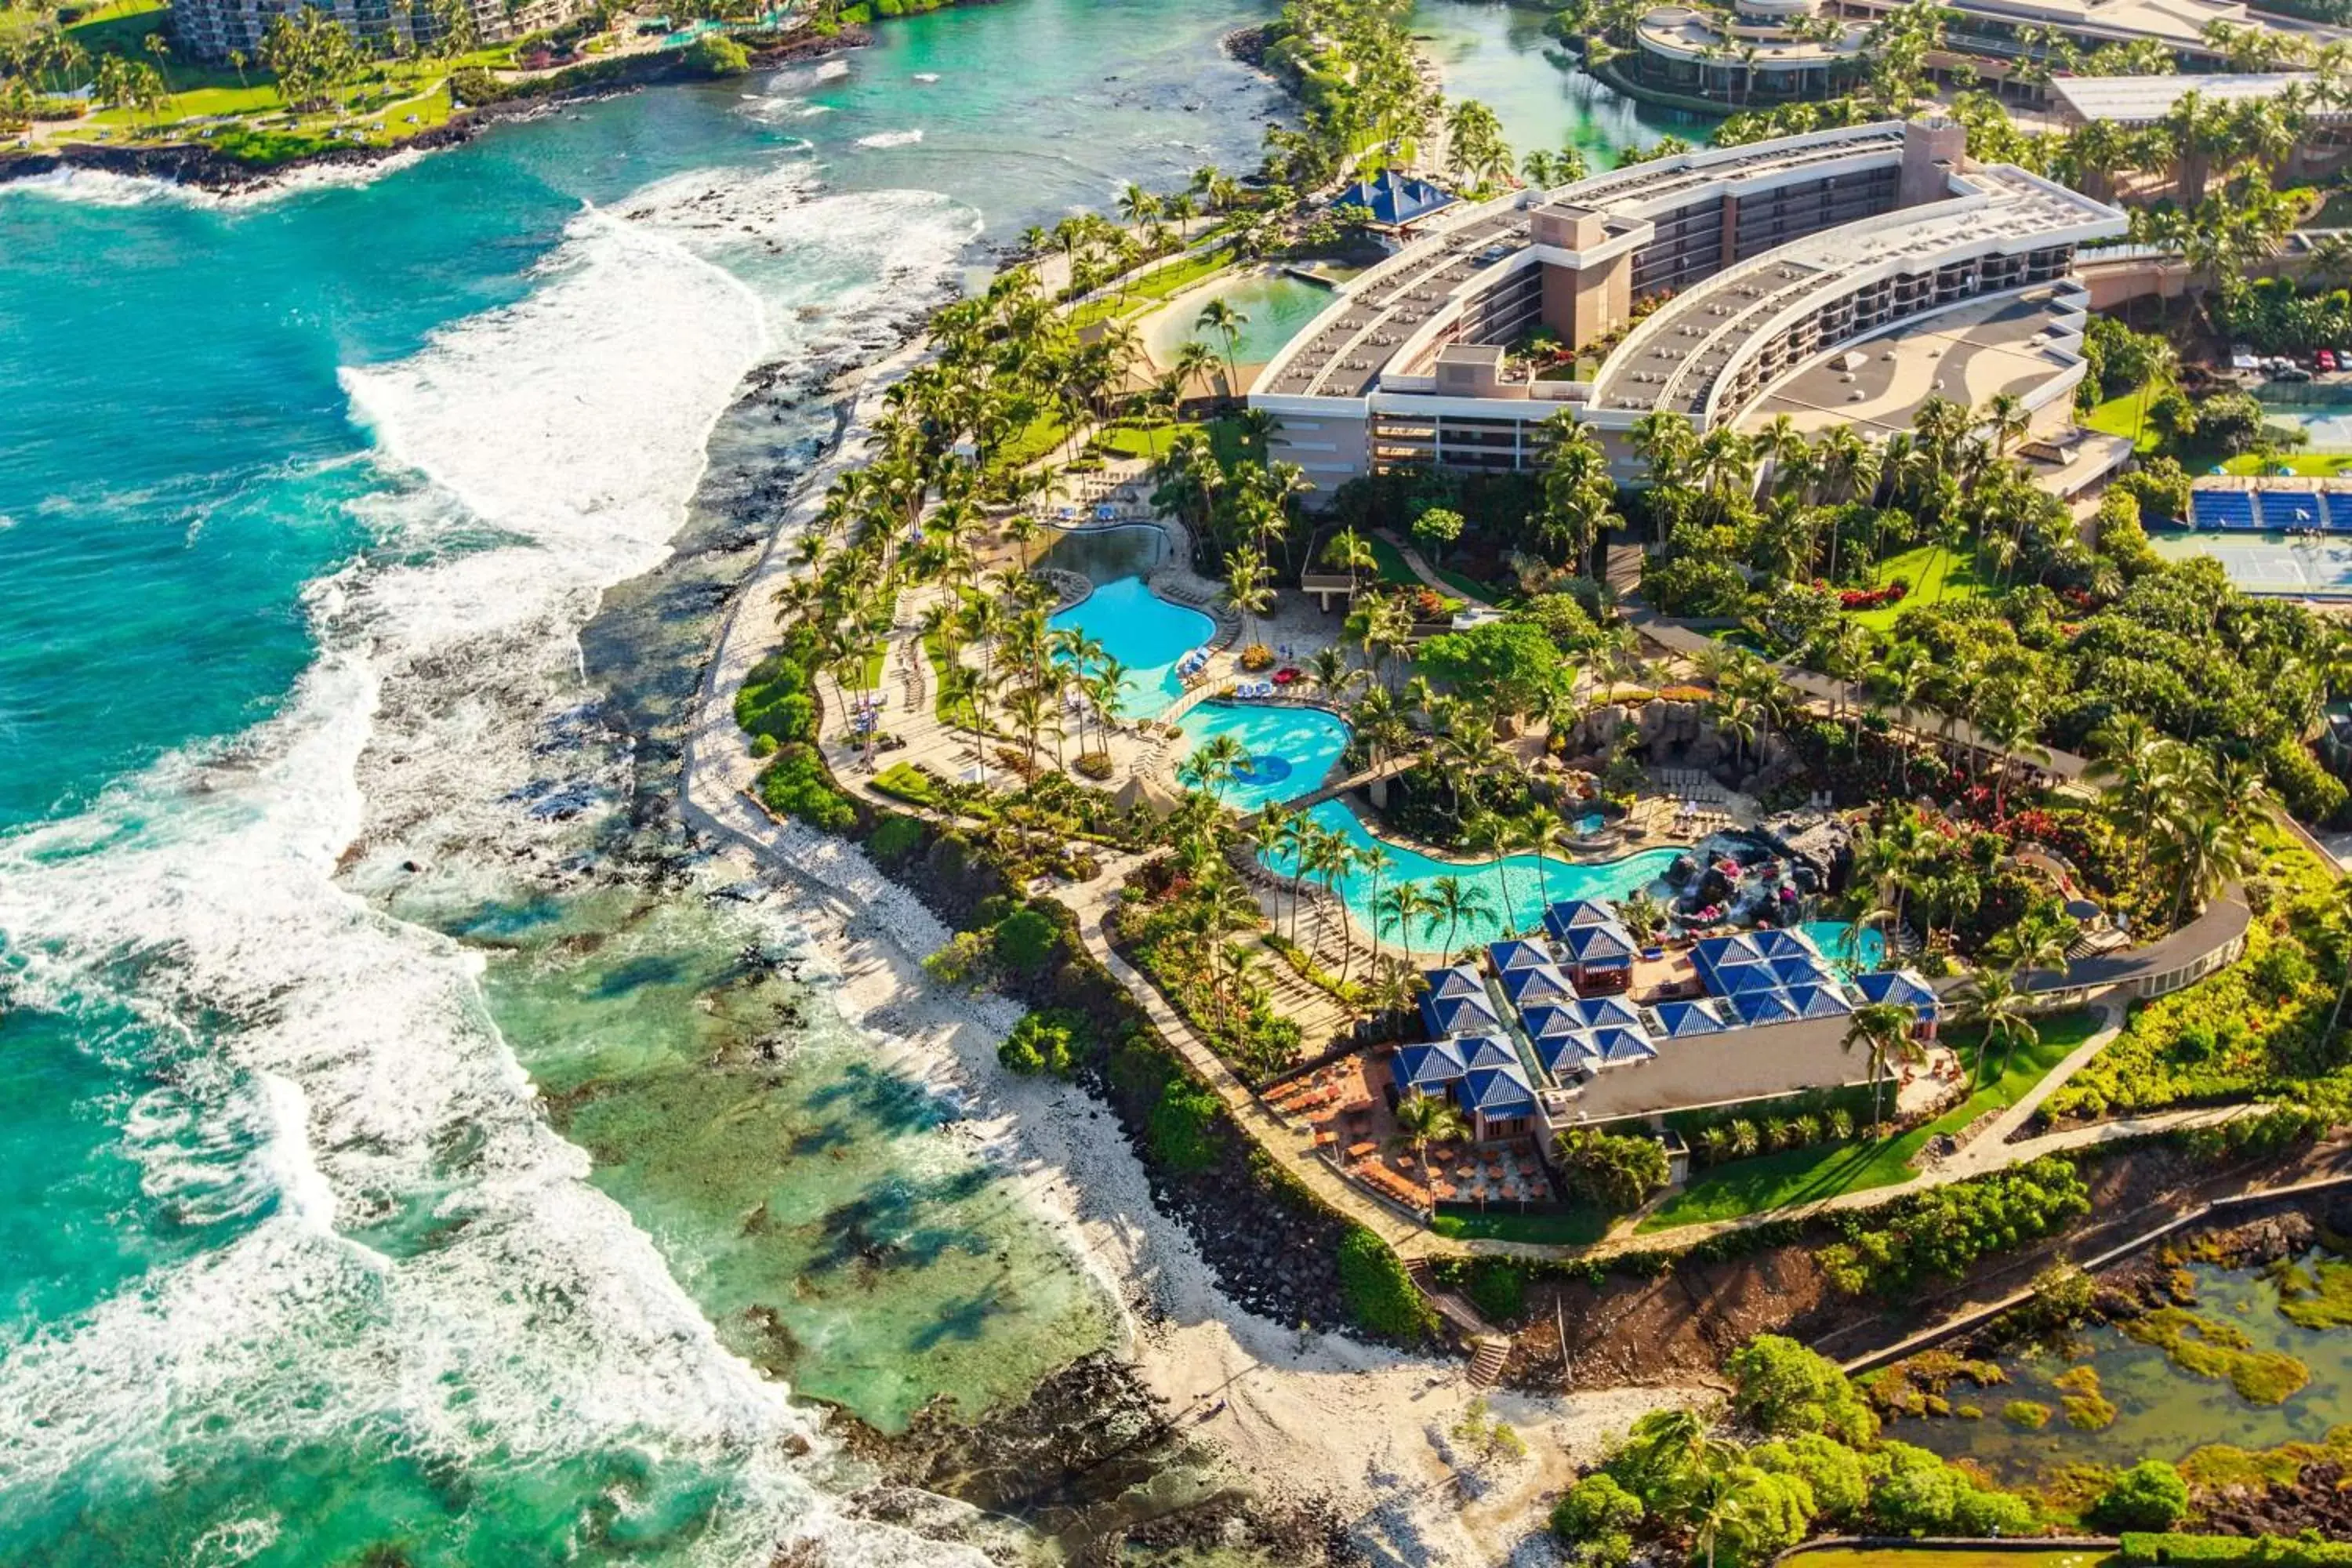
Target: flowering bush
x=1256, y=656
x=1871, y=598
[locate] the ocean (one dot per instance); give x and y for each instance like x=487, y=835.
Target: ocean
x=411, y=1154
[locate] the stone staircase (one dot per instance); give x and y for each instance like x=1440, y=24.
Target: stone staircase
x=1488, y=1350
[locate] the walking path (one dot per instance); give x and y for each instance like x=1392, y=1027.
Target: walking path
x=1421, y=568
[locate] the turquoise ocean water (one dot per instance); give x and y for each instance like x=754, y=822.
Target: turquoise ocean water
x=379, y=1167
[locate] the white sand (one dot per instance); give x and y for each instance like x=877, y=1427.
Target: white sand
x=1321, y=1414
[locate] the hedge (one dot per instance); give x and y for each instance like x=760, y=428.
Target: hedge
x=1381, y=1295
x=2145, y=1551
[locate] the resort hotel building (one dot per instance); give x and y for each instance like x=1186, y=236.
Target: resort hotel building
x=213, y=29
x=1776, y=51
x=1842, y=277
x=1580, y=1026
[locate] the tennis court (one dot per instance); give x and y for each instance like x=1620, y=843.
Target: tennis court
x=2270, y=563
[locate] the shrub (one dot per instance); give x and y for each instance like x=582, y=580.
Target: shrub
x=1024, y=940
x=1918, y=1494
x=1258, y=656
x=1095, y=765
x=2144, y=1550
x=1381, y=1296
x=795, y=785
x=1610, y=1169
x=1045, y=1041
x=1496, y=1289
x=1940, y=1233
x=1182, y=1127
x=715, y=55
x=1785, y=1389
x=1595, y=1519
x=896, y=839
x=1841, y=1486
x=2149, y=1496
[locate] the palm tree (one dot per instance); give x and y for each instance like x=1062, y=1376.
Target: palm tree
x=1454, y=901
x=1542, y=834
x=1215, y=763
x=1220, y=316
x=1398, y=908
x=1421, y=1119
x=1348, y=551
x=1884, y=1029
x=1997, y=1001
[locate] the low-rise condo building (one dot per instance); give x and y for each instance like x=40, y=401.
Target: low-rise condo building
x=1858, y=271
x=1775, y=51
x=215, y=29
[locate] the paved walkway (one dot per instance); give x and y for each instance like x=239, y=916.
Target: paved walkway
x=1421, y=568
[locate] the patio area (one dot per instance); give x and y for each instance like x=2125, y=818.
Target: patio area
x=1345, y=1104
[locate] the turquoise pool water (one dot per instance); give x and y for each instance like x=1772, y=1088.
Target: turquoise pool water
x=1143, y=632
x=1276, y=304
x=1291, y=749
x=1518, y=884
x=1851, y=949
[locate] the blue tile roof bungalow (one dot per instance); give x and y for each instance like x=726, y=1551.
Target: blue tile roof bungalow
x=1773, y=1023
x=1599, y=957
x=1480, y=1073
x=1390, y=203
x=1908, y=988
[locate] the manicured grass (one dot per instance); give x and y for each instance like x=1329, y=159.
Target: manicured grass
x=2318, y=465
x=1155, y=287
x=2120, y=415
x=1806, y=1176
x=1935, y=575
x=1393, y=570
x=1576, y=1227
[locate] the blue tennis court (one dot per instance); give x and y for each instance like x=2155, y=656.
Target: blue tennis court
x=2270, y=563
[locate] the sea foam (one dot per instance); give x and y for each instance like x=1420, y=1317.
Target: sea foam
x=426, y=1259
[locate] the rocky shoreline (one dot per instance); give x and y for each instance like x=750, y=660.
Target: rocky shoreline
x=206, y=168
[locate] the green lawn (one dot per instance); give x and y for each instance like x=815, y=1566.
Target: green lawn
x=2120, y=415
x=1576, y=1227
x=1393, y=570
x=1935, y=575
x=1153, y=289
x=1804, y=1175
x=2321, y=465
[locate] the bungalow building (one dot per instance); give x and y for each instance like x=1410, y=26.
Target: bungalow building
x=1390, y=203
x=1481, y=1074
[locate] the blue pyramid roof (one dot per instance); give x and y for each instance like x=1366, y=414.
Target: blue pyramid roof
x=1428, y=1068
x=1458, y=1015
x=1812, y=1001
x=1770, y=1005
x=1529, y=986
x=1598, y=944
x=1742, y=979
x=1507, y=956
x=1459, y=981
x=1906, y=986
x=1722, y=951
x=1603, y=1012
x=1487, y=1051
x=1499, y=1091
x=1393, y=199
x=1800, y=970
x=1544, y=1021
x=1774, y=942
x=1679, y=1020
x=1619, y=1046
x=1570, y=913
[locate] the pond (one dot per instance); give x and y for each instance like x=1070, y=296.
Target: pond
x=1106, y=554
x=1277, y=305
x=2159, y=1411
x=1501, y=56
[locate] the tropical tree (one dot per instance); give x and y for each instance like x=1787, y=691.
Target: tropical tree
x=1882, y=1029
x=1424, y=1119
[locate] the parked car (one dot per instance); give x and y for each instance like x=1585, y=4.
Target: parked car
x=2326, y=360
x=2292, y=373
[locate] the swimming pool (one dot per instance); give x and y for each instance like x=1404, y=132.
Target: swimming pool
x=1291, y=749
x=1852, y=950
x=1145, y=633
x=1531, y=888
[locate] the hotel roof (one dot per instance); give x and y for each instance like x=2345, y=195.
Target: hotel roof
x=1905, y=986
x=2145, y=100
x=1507, y=956
x=1461, y=980
x=1428, y=1066
x=1458, y=1015
x=1678, y=357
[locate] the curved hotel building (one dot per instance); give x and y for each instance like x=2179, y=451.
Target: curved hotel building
x=1842, y=277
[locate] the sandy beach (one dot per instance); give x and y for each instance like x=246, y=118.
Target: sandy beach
x=1313, y=1412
